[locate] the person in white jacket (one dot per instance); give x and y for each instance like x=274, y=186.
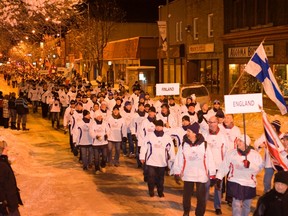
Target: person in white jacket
x=260, y=144
x=194, y=165
x=98, y=131
x=67, y=120
x=217, y=142
x=284, y=153
x=168, y=118
x=55, y=109
x=117, y=133
x=243, y=164
x=178, y=133
x=135, y=126
x=157, y=152
x=83, y=138
x=127, y=113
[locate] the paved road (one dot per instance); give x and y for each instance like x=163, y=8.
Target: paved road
x=53, y=183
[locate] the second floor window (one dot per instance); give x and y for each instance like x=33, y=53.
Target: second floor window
x=195, y=28
x=210, y=25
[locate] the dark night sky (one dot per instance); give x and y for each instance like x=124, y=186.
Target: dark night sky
x=140, y=10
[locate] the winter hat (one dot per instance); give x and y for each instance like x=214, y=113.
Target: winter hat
x=152, y=109
x=281, y=176
x=72, y=102
x=85, y=112
x=171, y=98
x=276, y=124
x=194, y=127
x=216, y=102
x=186, y=118
x=159, y=123
x=142, y=96
x=147, y=105
x=3, y=144
x=127, y=103
x=242, y=137
x=191, y=104
x=115, y=107
x=220, y=114
x=110, y=94
x=285, y=136
x=164, y=105
x=84, y=96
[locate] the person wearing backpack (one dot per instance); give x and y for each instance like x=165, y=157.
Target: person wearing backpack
x=194, y=165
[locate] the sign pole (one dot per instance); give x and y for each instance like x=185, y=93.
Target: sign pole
x=244, y=128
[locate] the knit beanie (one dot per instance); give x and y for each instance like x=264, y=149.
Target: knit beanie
x=85, y=112
x=281, y=176
x=194, y=127
x=276, y=124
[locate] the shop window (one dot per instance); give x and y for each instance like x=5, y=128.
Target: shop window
x=246, y=84
x=281, y=75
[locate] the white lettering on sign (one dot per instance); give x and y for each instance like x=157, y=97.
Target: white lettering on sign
x=243, y=103
x=167, y=89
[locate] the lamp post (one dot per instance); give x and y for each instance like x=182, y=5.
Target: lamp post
x=168, y=41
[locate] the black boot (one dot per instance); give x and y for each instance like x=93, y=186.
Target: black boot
x=18, y=126
x=13, y=126
x=52, y=124
x=24, y=127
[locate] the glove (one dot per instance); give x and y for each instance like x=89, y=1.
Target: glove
x=105, y=137
x=134, y=138
x=124, y=139
x=212, y=181
x=218, y=184
x=177, y=179
x=246, y=163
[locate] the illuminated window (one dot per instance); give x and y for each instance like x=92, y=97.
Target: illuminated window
x=195, y=28
x=210, y=25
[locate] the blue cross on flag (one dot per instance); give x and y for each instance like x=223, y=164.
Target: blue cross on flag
x=258, y=67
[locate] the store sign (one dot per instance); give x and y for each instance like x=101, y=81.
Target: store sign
x=245, y=52
x=201, y=48
x=243, y=103
x=167, y=89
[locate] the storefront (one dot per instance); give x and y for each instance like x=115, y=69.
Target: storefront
x=203, y=66
x=238, y=57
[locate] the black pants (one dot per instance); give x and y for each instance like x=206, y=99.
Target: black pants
x=45, y=108
x=200, y=195
x=97, y=150
x=156, y=178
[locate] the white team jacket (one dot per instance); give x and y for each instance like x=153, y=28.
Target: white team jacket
x=157, y=151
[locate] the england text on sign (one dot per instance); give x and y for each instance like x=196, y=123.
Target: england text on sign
x=167, y=89
x=243, y=103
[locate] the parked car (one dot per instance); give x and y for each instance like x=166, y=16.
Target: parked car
x=201, y=92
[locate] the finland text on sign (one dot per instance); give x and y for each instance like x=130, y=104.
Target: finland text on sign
x=243, y=103
x=167, y=89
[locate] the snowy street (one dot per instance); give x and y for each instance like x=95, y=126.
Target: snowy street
x=52, y=181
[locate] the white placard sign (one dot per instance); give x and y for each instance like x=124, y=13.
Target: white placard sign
x=167, y=89
x=243, y=103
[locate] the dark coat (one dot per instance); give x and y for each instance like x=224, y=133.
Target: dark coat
x=272, y=203
x=9, y=191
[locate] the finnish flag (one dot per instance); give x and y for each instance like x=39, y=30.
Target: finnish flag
x=258, y=67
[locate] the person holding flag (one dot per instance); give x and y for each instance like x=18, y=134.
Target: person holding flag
x=261, y=143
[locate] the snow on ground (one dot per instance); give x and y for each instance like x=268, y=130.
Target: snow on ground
x=43, y=166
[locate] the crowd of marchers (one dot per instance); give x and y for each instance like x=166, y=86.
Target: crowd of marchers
x=198, y=145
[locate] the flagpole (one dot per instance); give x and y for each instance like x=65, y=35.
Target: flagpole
x=244, y=128
x=236, y=82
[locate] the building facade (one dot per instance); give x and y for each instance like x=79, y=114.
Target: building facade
x=195, y=30
x=246, y=24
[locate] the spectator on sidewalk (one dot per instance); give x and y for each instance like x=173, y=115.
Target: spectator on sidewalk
x=6, y=111
x=9, y=192
x=12, y=110
x=275, y=201
x=22, y=111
